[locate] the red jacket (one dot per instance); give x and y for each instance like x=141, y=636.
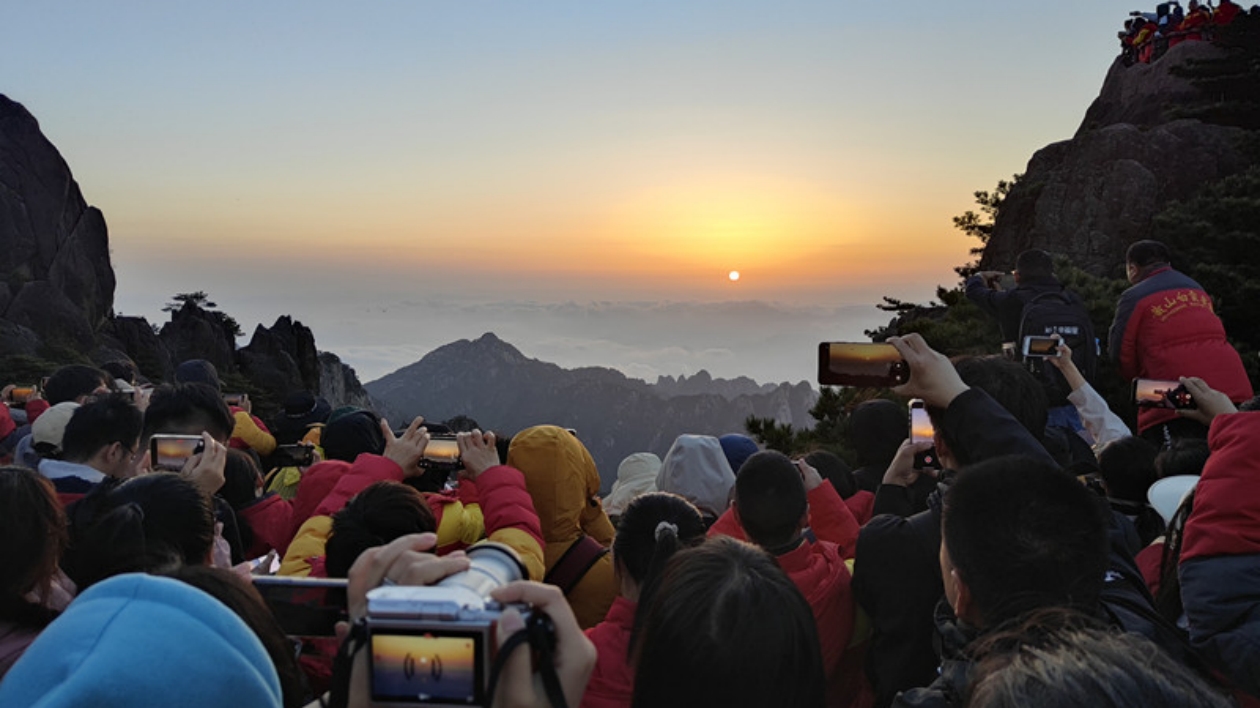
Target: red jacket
x=1165, y=328
x=823, y=578
x=271, y=519
x=829, y=518
x=612, y=681
x=861, y=504
x=1149, y=561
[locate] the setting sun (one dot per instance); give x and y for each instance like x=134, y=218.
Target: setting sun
x=733, y=275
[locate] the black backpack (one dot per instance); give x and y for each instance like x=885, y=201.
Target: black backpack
x=1064, y=314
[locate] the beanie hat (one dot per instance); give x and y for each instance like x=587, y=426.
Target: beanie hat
x=198, y=371
x=351, y=435
x=49, y=429
x=737, y=449
x=138, y=639
x=636, y=475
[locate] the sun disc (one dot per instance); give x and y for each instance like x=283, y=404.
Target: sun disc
x=733, y=275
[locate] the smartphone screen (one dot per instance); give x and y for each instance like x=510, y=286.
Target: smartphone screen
x=426, y=667
x=921, y=430
x=1151, y=393
x=861, y=364
x=442, y=449
x=1040, y=346
x=305, y=607
x=170, y=452
x=21, y=394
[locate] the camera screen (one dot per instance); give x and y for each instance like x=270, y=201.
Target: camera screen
x=1150, y=393
x=423, y=667
x=170, y=452
x=442, y=450
x=305, y=607
x=861, y=364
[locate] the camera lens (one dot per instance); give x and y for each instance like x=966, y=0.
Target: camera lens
x=493, y=565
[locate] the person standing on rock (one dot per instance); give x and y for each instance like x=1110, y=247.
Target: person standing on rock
x=1165, y=329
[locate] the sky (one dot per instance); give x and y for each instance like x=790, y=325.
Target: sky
x=580, y=178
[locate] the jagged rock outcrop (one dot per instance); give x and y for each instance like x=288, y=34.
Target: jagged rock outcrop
x=703, y=382
x=56, y=279
x=490, y=381
x=135, y=337
x=194, y=333
x=339, y=384
x=1088, y=198
x=281, y=359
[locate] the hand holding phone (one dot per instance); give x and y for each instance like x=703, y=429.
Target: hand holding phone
x=932, y=375
x=922, y=433
x=862, y=364
x=1152, y=393
x=1041, y=347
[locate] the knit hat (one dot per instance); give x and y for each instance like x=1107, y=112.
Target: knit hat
x=696, y=469
x=138, y=639
x=737, y=449
x=351, y=435
x=198, y=371
x=50, y=427
x=636, y=475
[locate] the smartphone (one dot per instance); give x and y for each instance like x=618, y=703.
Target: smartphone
x=235, y=399
x=861, y=364
x=441, y=452
x=1007, y=282
x=170, y=452
x=921, y=430
x=1151, y=393
x=294, y=456
x=304, y=607
x=1040, y=347
x=21, y=394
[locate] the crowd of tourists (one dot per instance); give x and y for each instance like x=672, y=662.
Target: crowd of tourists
x=1054, y=555
x=1147, y=35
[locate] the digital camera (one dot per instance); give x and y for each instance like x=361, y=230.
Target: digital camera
x=433, y=645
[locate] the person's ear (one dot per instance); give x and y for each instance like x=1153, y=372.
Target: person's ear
x=964, y=605
x=943, y=454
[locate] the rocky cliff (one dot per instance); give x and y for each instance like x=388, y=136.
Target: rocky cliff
x=492, y=382
x=1088, y=198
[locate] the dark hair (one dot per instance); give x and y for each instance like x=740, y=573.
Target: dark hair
x=241, y=476
x=643, y=543
x=190, y=409
x=1034, y=263
x=1146, y=253
x=377, y=515
x=876, y=430
x=1182, y=456
x=724, y=625
x=1008, y=383
x=1064, y=667
x=770, y=499
x=99, y=424
x=1022, y=534
x=146, y=524
x=834, y=470
x=121, y=370
x=71, y=382
x=351, y=435
x=1128, y=467
x=244, y=601
x=32, y=539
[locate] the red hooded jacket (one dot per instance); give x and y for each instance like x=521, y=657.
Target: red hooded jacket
x=612, y=681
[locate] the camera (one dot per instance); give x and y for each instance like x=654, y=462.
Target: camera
x=433, y=645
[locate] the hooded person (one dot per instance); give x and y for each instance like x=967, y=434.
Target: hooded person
x=696, y=469
x=737, y=449
x=564, y=483
x=636, y=476
x=137, y=639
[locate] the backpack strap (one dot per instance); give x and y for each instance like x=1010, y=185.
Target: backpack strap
x=574, y=564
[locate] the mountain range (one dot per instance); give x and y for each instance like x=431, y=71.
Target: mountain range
x=492, y=382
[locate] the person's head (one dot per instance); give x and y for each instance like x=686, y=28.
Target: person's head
x=146, y=524
x=635, y=475
x=49, y=430
x=876, y=429
x=653, y=527
x=1052, y=667
x=834, y=470
x=561, y=478
x=198, y=371
x=1019, y=534
x=104, y=434
x=375, y=516
x=770, y=500
x=724, y=625
x=696, y=469
x=139, y=639
x=122, y=370
x=737, y=448
x=1010, y=385
x=187, y=409
x=351, y=435
x=1128, y=468
x=1033, y=265
x=244, y=601
x=76, y=383
x=1183, y=456
x=242, y=478
x=1143, y=257
x=32, y=539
